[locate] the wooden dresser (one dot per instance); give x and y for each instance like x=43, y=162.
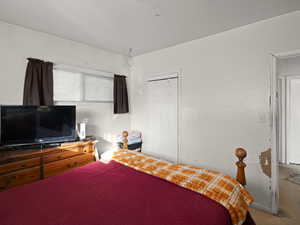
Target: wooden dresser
x=18, y=167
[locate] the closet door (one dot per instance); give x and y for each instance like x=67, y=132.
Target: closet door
x=163, y=118
x=294, y=122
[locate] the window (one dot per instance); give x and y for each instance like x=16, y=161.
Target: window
x=82, y=85
x=98, y=89
x=67, y=86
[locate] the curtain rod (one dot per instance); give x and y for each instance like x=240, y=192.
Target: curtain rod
x=57, y=64
x=84, y=69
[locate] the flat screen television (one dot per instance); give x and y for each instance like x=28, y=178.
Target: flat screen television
x=21, y=125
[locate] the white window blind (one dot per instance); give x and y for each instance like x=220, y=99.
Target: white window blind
x=67, y=86
x=98, y=89
x=82, y=87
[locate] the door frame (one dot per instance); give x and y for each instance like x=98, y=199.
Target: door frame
x=274, y=57
x=173, y=75
x=282, y=127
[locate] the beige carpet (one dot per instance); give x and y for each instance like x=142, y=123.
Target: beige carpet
x=289, y=203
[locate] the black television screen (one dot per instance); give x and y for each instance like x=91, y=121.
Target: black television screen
x=37, y=124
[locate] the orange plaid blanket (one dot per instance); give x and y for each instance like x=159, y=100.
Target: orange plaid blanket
x=214, y=185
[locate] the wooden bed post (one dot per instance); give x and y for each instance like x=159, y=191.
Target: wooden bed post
x=125, y=139
x=240, y=176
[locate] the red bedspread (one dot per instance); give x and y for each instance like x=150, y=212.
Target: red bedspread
x=108, y=194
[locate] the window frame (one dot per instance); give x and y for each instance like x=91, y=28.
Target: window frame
x=84, y=73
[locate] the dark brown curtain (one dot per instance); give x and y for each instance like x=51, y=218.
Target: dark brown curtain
x=120, y=95
x=38, y=86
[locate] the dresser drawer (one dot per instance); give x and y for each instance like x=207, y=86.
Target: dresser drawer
x=60, y=156
x=19, y=177
x=88, y=147
x=60, y=166
x=23, y=164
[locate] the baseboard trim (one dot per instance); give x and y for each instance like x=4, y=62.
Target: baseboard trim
x=261, y=207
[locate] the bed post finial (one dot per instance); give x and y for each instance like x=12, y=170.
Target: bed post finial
x=125, y=139
x=240, y=176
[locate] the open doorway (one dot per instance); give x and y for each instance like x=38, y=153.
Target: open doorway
x=286, y=135
x=288, y=92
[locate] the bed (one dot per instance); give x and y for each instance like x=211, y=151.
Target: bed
x=110, y=193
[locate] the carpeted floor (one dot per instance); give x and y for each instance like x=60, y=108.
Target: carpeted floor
x=294, y=178
x=289, y=202
x=294, y=173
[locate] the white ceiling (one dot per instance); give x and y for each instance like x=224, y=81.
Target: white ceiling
x=118, y=25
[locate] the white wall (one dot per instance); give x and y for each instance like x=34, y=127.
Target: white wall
x=17, y=44
x=224, y=95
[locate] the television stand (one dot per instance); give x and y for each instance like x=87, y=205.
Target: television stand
x=22, y=165
x=51, y=145
x=29, y=146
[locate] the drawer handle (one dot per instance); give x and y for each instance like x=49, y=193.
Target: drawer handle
x=7, y=182
x=72, y=165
